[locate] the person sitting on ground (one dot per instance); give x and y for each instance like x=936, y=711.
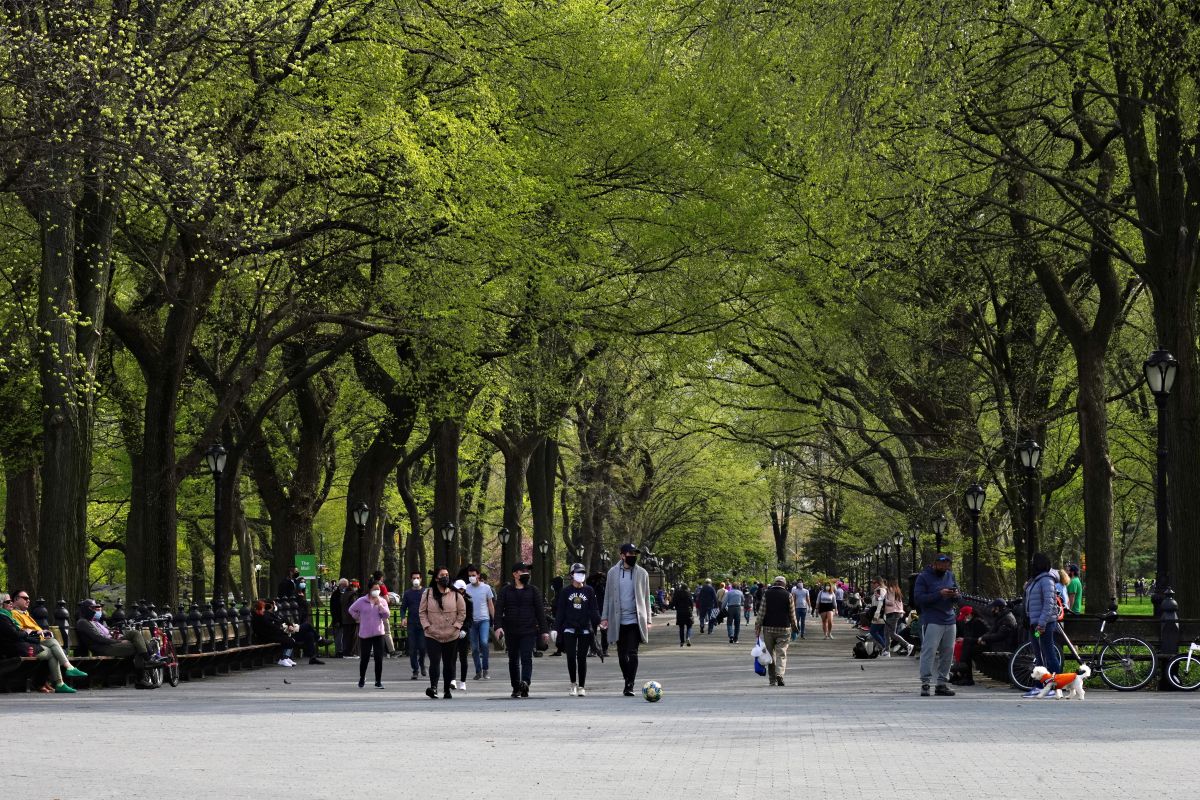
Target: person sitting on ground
x=95, y=636
x=51, y=651
x=269, y=628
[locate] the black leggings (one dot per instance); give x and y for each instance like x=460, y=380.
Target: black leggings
x=367, y=646
x=576, y=646
x=441, y=661
x=464, y=649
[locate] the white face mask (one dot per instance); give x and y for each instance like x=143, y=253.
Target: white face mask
x=578, y=576
x=374, y=593
x=473, y=579
x=416, y=584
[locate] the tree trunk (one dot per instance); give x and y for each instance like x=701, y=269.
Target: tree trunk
x=446, y=503
x=366, y=486
x=516, y=462
x=21, y=523
x=1091, y=405
x=540, y=478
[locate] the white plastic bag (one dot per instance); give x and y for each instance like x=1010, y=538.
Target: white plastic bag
x=761, y=653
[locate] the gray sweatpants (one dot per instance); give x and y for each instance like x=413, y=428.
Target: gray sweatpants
x=936, y=641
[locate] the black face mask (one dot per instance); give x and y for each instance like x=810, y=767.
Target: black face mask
x=631, y=560
x=444, y=580
x=523, y=578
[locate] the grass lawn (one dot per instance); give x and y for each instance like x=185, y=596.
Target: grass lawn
x=1136, y=607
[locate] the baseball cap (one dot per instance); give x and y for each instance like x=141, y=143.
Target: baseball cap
x=962, y=612
x=577, y=567
x=780, y=580
x=90, y=603
x=629, y=548
x=942, y=557
x=460, y=584
x=520, y=566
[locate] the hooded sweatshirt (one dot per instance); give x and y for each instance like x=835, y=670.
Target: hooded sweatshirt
x=935, y=609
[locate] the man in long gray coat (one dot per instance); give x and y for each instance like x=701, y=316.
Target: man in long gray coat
x=627, y=608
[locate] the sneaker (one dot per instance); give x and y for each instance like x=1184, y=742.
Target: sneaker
x=290, y=663
x=462, y=686
x=1032, y=692
x=431, y=693
x=476, y=676
x=315, y=660
x=446, y=695
x=62, y=688
x=582, y=692
x=378, y=685
x=911, y=647
x=574, y=691
x=361, y=684
x=414, y=677
x=689, y=642
x=628, y=690
x=943, y=690
x=681, y=644
x=423, y=675
x=924, y=690
x=524, y=687
x=771, y=682
x=76, y=673
x=283, y=662
x=486, y=677
x=779, y=681
x=515, y=693
x=885, y=654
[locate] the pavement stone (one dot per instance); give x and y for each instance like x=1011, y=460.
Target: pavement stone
x=839, y=726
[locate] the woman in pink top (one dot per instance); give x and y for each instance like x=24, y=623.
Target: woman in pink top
x=893, y=607
x=371, y=613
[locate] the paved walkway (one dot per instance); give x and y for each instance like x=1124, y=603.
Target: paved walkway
x=839, y=728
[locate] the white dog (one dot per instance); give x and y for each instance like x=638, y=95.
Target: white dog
x=1067, y=685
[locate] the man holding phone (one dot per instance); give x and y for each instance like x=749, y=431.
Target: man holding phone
x=935, y=593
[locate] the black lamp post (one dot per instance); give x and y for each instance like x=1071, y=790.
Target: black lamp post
x=1160, y=369
x=362, y=513
x=605, y=558
x=881, y=555
x=544, y=579
x=975, y=496
x=1031, y=455
x=216, y=465
x=579, y=551
x=505, y=535
x=447, y=546
x=898, y=541
x=939, y=531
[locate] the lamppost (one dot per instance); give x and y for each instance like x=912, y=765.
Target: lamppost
x=912, y=537
x=579, y=550
x=362, y=513
x=1031, y=455
x=605, y=558
x=898, y=541
x=447, y=541
x=880, y=559
x=544, y=579
x=258, y=580
x=939, y=531
x=1160, y=369
x=975, y=496
x=216, y=465
x=505, y=535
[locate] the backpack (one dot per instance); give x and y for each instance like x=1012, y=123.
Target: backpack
x=867, y=648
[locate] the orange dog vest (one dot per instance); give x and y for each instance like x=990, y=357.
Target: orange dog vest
x=1061, y=681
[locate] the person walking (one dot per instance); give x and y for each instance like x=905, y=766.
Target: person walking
x=576, y=615
x=627, y=607
x=800, y=600
x=682, y=600
x=706, y=604
x=443, y=612
x=935, y=593
x=464, y=643
x=1041, y=612
x=410, y=608
x=732, y=604
x=598, y=581
x=336, y=609
x=520, y=621
x=826, y=605
x=483, y=609
x=893, y=607
x=774, y=624
x=371, y=613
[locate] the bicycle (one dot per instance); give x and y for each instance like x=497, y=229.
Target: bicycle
x=1125, y=664
x=168, y=665
x=1183, y=671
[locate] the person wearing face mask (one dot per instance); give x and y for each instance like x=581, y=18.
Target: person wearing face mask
x=520, y=620
x=483, y=608
x=935, y=593
x=95, y=636
x=371, y=613
x=464, y=643
x=627, y=608
x=443, y=613
x=410, y=608
x=576, y=616
x=826, y=605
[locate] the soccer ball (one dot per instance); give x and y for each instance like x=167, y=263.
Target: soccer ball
x=652, y=691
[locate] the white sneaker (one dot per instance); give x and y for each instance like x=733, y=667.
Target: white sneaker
x=582, y=692
x=574, y=691
x=885, y=654
x=462, y=686
x=283, y=662
x=910, y=650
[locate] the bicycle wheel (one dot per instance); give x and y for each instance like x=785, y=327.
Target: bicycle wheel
x=1020, y=666
x=171, y=673
x=1126, y=664
x=1184, y=673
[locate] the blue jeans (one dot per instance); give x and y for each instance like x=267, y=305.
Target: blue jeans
x=416, y=647
x=1049, y=651
x=877, y=631
x=801, y=615
x=733, y=622
x=707, y=616
x=480, y=629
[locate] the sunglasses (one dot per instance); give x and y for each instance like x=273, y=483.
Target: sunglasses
x=21, y=597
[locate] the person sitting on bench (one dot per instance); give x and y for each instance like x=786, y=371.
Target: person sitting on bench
x=96, y=637
x=48, y=649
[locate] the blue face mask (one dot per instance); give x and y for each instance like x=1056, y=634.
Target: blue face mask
x=96, y=615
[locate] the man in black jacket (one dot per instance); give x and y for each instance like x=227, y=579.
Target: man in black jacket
x=1002, y=638
x=775, y=622
x=292, y=586
x=520, y=620
x=335, y=617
